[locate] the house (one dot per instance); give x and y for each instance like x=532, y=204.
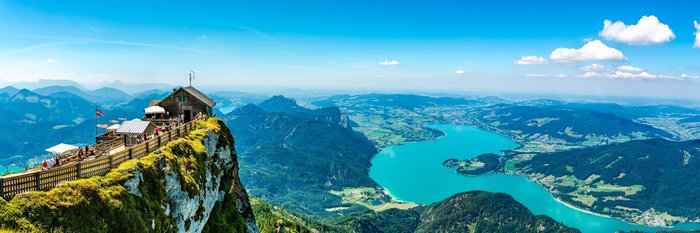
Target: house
x=133, y=129
x=184, y=103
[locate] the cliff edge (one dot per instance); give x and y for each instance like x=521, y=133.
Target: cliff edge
x=189, y=185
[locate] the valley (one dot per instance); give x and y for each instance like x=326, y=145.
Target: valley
x=549, y=127
x=350, y=117
x=365, y=156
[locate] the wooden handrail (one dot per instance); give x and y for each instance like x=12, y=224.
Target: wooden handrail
x=45, y=179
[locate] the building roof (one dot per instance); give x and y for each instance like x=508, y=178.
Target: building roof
x=134, y=126
x=194, y=92
x=153, y=103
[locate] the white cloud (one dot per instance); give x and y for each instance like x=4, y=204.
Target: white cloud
x=459, y=72
x=697, y=34
x=531, y=60
x=49, y=60
x=688, y=76
x=591, y=51
x=593, y=67
x=546, y=75
x=610, y=74
x=630, y=68
x=648, y=30
x=389, y=63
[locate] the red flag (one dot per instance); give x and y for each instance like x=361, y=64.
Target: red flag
x=99, y=113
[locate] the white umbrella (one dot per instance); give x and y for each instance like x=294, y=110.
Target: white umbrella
x=113, y=127
x=61, y=148
x=154, y=110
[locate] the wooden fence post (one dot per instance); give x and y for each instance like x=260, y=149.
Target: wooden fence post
x=146, y=142
x=77, y=169
x=170, y=135
x=131, y=153
x=111, y=161
x=37, y=176
x=158, y=141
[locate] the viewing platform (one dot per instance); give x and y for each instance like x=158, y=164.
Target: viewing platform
x=14, y=184
x=164, y=120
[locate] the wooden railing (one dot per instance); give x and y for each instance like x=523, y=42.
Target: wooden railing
x=46, y=179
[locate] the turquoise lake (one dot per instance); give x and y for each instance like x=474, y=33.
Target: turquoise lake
x=10, y=169
x=413, y=172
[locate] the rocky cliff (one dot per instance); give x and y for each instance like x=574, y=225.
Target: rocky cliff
x=189, y=185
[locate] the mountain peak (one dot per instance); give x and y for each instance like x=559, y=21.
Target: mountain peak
x=279, y=103
x=9, y=90
x=25, y=91
x=248, y=108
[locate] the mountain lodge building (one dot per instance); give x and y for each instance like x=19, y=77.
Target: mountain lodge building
x=185, y=103
x=181, y=106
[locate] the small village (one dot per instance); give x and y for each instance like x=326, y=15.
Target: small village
x=164, y=120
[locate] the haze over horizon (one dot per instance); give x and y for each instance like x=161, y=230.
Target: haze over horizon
x=644, y=49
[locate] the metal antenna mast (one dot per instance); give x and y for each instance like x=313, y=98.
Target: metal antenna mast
x=191, y=76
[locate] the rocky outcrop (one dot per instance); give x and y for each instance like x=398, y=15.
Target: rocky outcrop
x=189, y=185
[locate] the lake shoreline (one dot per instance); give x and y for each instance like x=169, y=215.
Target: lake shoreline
x=395, y=168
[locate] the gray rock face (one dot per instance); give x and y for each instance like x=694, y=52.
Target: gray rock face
x=191, y=212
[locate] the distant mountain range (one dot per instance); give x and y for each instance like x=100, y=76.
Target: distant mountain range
x=631, y=112
x=32, y=122
x=405, y=101
x=36, y=120
x=41, y=83
x=105, y=95
x=131, y=88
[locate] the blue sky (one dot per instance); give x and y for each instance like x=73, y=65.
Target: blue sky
x=456, y=46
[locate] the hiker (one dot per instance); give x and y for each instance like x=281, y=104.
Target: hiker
x=44, y=166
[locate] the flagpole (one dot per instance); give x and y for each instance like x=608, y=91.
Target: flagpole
x=96, y=116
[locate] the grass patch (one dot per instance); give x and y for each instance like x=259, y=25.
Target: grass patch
x=102, y=203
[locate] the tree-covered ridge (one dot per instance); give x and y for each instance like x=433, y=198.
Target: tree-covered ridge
x=649, y=182
x=475, y=211
x=295, y=158
x=273, y=219
x=693, y=119
x=545, y=128
x=626, y=111
x=625, y=179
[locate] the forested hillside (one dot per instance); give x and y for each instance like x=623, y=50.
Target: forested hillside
x=552, y=128
x=294, y=157
x=625, y=179
x=474, y=211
